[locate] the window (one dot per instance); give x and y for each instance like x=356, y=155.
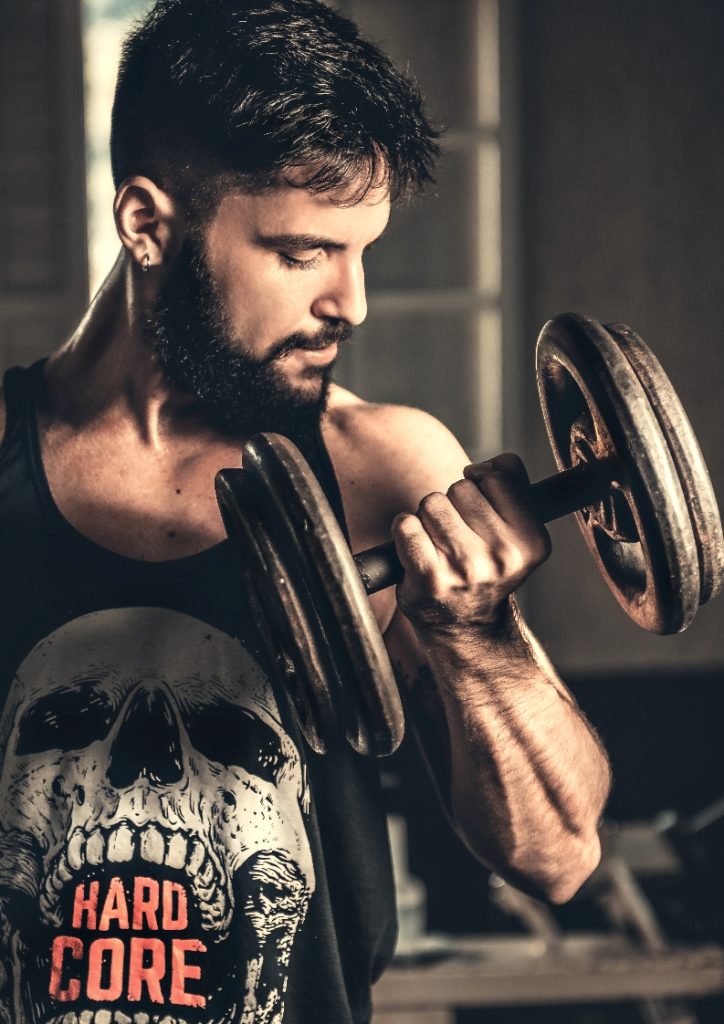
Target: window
x=105, y=23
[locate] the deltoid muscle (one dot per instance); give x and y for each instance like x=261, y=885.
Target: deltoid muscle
x=154, y=859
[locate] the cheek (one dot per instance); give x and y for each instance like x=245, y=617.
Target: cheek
x=265, y=304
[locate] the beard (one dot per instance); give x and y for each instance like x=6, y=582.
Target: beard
x=240, y=395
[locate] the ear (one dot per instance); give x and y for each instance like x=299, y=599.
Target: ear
x=148, y=221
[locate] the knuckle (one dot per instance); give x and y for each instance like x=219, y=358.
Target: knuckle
x=497, y=563
x=524, y=555
x=406, y=524
x=471, y=568
x=461, y=489
x=511, y=465
x=543, y=546
x=497, y=474
x=511, y=459
x=515, y=562
x=432, y=503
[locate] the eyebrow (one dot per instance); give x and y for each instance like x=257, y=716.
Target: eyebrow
x=302, y=243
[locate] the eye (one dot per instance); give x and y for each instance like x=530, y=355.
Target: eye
x=230, y=734
x=68, y=720
x=296, y=263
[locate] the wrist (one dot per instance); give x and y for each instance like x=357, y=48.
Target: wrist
x=475, y=645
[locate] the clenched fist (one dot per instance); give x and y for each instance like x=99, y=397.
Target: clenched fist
x=466, y=551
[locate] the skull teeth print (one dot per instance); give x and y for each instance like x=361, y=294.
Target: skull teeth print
x=114, y=1017
x=153, y=844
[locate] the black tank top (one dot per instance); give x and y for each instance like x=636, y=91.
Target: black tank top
x=170, y=849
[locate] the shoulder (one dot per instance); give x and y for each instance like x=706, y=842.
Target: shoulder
x=3, y=416
x=394, y=441
x=388, y=457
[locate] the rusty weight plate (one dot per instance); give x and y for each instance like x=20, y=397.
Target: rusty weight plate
x=640, y=534
x=687, y=457
x=320, y=623
x=279, y=618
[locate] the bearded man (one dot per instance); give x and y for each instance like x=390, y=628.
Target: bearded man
x=170, y=850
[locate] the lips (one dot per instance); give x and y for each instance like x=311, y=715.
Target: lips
x=318, y=345
x=153, y=844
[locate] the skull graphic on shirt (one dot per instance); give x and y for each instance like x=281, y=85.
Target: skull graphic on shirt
x=154, y=859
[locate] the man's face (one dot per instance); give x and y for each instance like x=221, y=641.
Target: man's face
x=255, y=306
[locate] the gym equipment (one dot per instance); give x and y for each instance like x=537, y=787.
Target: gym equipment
x=633, y=955
x=630, y=468
x=655, y=530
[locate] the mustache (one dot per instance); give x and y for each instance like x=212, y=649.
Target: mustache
x=329, y=334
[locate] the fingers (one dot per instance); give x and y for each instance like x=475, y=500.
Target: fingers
x=483, y=524
x=415, y=548
x=456, y=521
x=505, y=484
x=508, y=462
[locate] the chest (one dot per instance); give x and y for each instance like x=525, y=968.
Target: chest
x=149, y=505
x=157, y=506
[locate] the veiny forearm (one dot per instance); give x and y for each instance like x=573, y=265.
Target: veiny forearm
x=528, y=777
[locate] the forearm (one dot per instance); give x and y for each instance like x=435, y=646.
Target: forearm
x=528, y=778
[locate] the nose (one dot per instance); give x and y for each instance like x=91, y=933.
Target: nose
x=147, y=744
x=343, y=295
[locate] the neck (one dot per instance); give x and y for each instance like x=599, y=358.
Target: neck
x=108, y=371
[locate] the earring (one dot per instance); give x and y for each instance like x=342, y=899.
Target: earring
x=146, y=263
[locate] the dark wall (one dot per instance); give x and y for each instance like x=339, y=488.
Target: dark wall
x=621, y=214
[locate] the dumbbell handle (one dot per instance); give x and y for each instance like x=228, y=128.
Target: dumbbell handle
x=551, y=498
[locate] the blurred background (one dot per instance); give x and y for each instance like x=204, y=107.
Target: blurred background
x=583, y=169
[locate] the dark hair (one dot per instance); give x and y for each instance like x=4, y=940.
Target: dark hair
x=213, y=94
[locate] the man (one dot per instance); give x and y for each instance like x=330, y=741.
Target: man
x=169, y=849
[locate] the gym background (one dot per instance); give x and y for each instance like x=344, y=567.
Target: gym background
x=583, y=171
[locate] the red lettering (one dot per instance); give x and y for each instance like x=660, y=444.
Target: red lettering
x=145, y=903
x=115, y=907
x=180, y=921
x=88, y=905
x=75, y=947
x=95, y=989
x=140, y=974
x=145, y=960
x=181, y=972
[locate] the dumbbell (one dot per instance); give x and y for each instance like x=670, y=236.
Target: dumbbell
x=629, y=467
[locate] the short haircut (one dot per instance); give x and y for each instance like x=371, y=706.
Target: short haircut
x=217, y=94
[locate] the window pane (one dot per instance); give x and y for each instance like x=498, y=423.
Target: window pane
x=105, y=24
x=437, y=41
x=421, y=359
x=431, y=243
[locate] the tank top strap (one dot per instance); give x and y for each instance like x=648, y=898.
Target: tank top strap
x=18, y=387
x=20, y=390
x=321, y=463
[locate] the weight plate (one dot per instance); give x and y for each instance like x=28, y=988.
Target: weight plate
x=596, y=408
x=686, y=454
x=314, y=600
x=280, y=620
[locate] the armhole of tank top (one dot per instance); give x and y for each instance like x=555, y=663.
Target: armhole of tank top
x=330, y=485
x=14, y=391
x=20, y=387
